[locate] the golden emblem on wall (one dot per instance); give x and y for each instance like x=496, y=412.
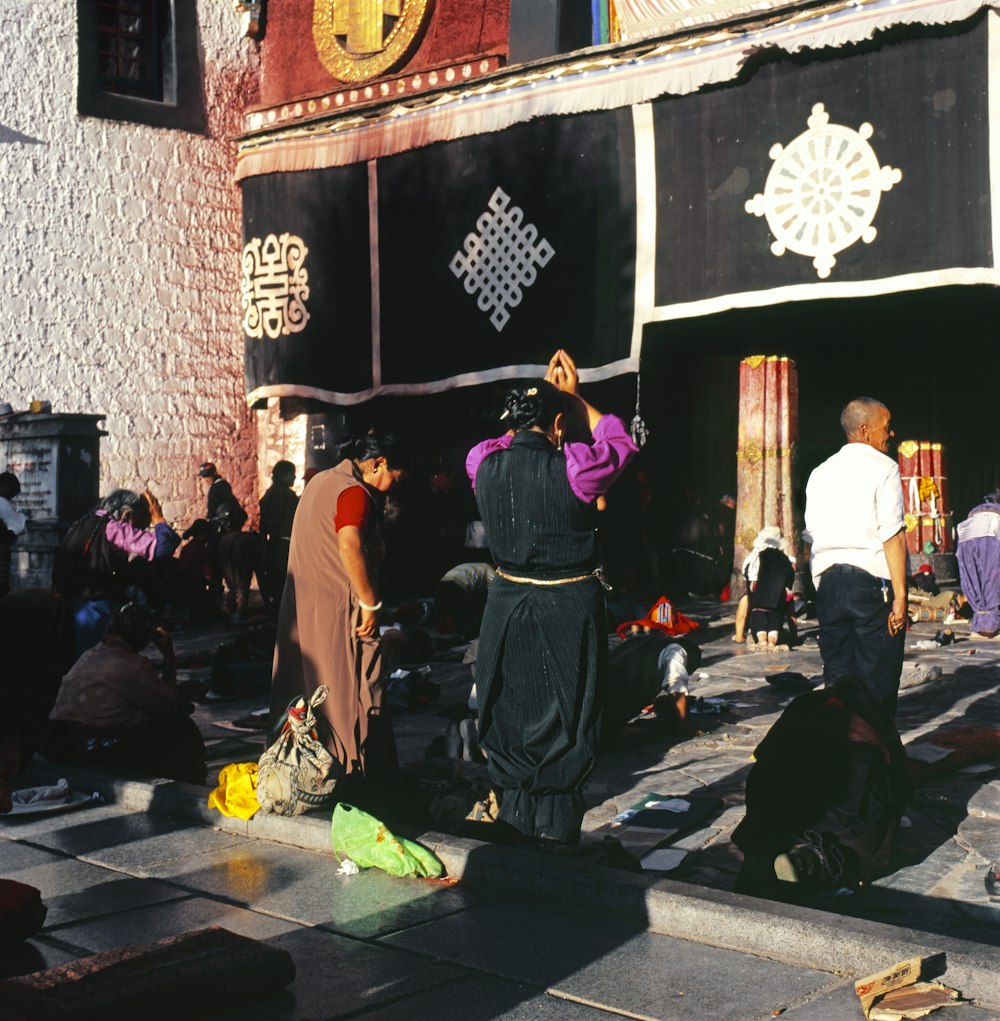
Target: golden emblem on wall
x=357, y=40
x=275, y=286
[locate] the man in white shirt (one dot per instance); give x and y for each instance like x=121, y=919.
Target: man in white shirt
x=854, y=519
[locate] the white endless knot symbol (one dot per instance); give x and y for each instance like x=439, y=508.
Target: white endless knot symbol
x=275, y=286
x=499, y=261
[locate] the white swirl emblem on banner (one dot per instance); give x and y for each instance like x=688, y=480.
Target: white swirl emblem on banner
x=823, y=191
x=275, y=286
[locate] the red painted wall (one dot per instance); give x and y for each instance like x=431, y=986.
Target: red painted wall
x=457, y=30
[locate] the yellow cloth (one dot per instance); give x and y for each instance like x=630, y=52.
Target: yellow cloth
x=237, y=791
x=928, y=488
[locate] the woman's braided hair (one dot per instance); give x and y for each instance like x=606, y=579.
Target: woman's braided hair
x=532, y=403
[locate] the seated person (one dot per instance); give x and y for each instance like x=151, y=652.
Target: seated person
x=763, y=611
x=649, y=667
x=114, y=547
x=824, y=796
x=115, y=710
x=460, y=598
x=947, y=606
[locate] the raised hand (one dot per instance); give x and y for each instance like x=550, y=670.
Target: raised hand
x=562, y=373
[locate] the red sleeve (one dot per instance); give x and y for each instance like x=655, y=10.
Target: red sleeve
x=354, y=507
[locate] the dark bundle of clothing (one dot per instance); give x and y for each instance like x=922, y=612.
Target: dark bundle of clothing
x=825, y=794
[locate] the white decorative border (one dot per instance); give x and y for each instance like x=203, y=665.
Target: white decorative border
x=993, y=84
x=645, y=223
x=825, y=289
x=608, y=371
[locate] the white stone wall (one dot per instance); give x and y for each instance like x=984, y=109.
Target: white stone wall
x=120, y=282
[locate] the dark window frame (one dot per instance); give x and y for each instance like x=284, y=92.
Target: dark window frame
x=176, y=99
x=140, y=45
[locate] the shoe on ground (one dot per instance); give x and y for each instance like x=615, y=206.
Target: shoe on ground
x=797, y=866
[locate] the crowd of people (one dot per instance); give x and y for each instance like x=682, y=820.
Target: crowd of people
x=519, y=571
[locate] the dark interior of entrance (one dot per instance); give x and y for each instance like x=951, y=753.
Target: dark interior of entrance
x=931, y=355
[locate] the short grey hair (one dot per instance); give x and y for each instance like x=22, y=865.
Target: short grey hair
x=858, y=412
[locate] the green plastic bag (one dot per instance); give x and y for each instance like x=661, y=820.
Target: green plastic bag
x=369, y=843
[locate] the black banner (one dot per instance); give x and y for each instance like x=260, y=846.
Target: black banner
x=490, y=251
x=548, y=209
x=926, y=99
x=315, y=320
x=541, y=218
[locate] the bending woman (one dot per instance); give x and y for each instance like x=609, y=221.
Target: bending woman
x=327, y=627
x=542, y=661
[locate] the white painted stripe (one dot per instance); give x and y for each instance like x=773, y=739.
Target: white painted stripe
x=436, y=386
x=645, y=222
x=825, y=289
x=993, y=84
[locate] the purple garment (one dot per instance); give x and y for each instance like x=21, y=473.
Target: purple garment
x=591, y=468
x=159, y=541
x=979, y=571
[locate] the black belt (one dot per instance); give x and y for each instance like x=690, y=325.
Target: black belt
x=848, y=569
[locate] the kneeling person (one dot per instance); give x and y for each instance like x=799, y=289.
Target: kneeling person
x=114, y=710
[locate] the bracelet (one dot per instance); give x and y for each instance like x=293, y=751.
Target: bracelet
x=370, y=609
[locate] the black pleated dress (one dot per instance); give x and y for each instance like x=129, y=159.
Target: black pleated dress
x=542, y=661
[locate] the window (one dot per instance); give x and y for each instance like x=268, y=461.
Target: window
x=130, y=37
x=138, y=61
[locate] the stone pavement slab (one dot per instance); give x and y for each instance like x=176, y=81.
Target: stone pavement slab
x=486, y=998
x=615, y=968
x=153, y=922
x=74, y=889
x=303, y=886
x=128, y=841
x=339, y=977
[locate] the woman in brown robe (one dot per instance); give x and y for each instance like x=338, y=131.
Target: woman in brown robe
x=327, y=627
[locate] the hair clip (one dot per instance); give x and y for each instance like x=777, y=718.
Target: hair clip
x=504, y=413
x=532, y=391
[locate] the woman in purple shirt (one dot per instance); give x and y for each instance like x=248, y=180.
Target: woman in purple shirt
x=103, y=554
x=542, y=660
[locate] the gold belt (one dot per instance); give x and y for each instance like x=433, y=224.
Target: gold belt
x=596, y=573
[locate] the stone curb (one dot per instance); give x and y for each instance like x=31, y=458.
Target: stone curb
x=803, y=937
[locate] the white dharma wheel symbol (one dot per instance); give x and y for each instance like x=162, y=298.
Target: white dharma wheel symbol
x=823, y=191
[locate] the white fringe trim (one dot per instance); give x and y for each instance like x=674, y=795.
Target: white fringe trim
x=675, y=67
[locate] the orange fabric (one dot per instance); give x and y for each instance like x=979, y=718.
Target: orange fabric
x=663, y=617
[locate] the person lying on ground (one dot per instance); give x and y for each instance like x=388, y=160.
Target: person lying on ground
x=649, y=668
x=825, y=795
